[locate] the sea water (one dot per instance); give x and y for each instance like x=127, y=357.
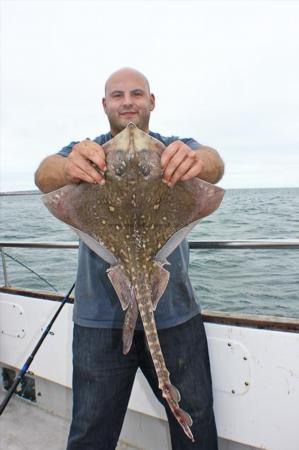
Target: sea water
x=254, y=281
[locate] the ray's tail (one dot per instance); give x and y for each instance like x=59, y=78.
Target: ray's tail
x=169, y=392
x=172, y=396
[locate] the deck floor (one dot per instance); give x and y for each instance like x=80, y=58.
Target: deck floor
x=23, y=426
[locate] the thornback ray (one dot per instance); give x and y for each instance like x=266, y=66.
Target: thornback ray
x=134, y=221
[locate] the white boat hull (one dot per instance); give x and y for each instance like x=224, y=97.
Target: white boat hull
x=255, y=376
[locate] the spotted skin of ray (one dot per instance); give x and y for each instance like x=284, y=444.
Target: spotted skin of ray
x=133, y=215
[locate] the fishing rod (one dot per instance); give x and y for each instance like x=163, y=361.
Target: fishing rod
x=25, y=367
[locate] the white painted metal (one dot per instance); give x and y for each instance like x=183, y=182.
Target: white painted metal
x=262, y=411
x=266, y=414
x=231, y=365
x=53, y=360
x=12, y=321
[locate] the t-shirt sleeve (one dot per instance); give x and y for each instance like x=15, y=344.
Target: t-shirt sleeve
x=192, y=143
x=65, y=151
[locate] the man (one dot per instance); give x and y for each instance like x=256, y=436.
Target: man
x=102, y=376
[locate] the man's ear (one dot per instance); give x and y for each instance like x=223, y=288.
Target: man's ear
x=104, y=104
x=152, y=102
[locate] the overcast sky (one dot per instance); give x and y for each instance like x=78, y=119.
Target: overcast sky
x=225, y=73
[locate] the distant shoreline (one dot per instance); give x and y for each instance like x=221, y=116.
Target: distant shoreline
x=30, y=192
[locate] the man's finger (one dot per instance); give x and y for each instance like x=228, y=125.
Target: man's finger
x=192, y=172
x=83, y=166
x=173, y=164
x=83, y=176
x=91, y=151
x=97, y=155
x=168, y=153
x=180, y=171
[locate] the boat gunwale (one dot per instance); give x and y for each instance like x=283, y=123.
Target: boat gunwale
x=265, y=322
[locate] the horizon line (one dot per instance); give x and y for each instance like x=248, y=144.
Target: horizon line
x=37, y=191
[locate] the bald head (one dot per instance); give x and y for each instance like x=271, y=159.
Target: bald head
x=128, y=99
x=124, y=73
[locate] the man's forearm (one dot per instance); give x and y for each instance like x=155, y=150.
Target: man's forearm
x=51, y=175
x=213, y=165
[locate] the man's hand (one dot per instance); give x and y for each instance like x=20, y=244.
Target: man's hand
x=180, y=162
x=86, y=162
x=81, y=162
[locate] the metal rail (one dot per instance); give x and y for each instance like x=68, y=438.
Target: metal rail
x=38, y=244
x=226, y=244
x=251, y=244
x=31, y=245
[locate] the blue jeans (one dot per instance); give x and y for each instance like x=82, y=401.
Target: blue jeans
x=103, y=379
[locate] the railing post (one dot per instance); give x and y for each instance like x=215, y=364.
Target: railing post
x=4, y=268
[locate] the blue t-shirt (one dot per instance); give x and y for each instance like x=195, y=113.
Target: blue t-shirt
x=96, y=303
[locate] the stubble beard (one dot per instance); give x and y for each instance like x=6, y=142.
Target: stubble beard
x=141, y=122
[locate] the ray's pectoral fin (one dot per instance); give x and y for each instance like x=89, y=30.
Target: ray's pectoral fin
x=127, y=298
x=160, y=278
x=95, y=246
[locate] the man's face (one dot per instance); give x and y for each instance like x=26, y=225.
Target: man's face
x=127, y=99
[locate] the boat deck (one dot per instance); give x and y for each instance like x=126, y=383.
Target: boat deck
x=23, y=426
